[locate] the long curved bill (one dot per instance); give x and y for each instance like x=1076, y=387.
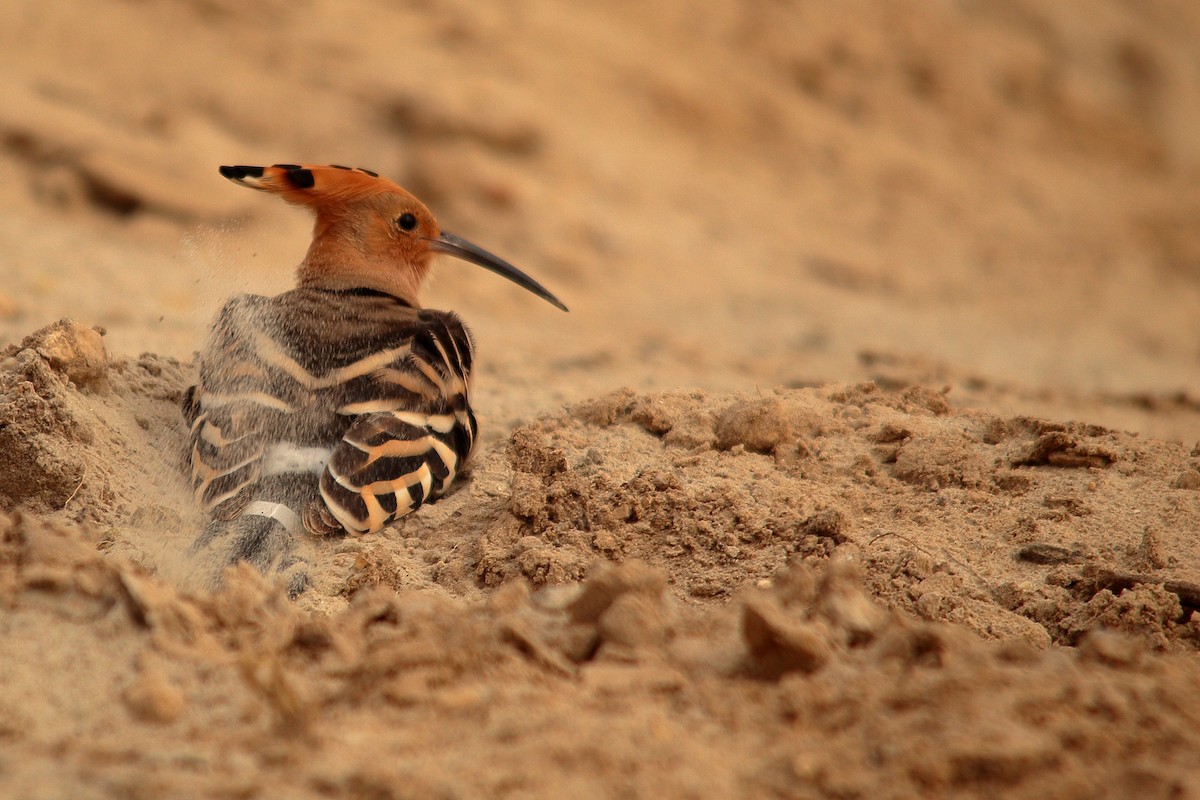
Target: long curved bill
x=459, y=247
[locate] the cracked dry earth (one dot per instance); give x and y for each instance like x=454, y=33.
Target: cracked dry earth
x=836, y=591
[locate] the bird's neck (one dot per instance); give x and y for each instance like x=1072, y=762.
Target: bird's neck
x=338, y=265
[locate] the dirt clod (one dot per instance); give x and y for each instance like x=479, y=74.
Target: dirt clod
x=761, y=426
x=73, y=350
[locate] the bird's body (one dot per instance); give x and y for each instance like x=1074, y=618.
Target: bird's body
x=341, y=405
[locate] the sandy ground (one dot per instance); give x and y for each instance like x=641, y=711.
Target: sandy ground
x=866, y=463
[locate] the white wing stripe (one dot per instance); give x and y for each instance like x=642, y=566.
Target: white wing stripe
x=286, y=457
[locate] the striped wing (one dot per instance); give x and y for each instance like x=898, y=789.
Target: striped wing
x=376, y=390
x=228, y=435
x=226, y=454
x=391, y=461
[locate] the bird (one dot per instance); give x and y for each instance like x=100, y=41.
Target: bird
x=341, y=405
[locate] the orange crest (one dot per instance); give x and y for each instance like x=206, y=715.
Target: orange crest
x=314, y=186
x=369, y=232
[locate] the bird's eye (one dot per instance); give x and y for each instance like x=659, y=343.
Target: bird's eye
x=407, y=222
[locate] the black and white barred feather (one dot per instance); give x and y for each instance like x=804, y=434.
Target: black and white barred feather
x=327, y=411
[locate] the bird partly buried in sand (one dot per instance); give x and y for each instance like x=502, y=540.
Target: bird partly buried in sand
x=341, y=405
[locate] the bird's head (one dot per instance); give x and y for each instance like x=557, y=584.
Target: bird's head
x=369, y=233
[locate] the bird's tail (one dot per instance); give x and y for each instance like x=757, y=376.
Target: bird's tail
x=268, y=533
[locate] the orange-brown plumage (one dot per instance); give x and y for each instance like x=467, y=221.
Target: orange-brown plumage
x=356, y=241
x=370, y=233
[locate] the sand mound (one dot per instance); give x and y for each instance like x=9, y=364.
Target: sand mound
x=845, y=590
x=804, y=687
x=94, y=440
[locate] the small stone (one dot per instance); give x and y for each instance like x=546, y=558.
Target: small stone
x=73, y=350
x=634, y=620
x=608, y=582
x=1188, y=479
x=777, y=644
x=759, y=425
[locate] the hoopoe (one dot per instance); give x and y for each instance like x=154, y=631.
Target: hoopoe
x=340, y=405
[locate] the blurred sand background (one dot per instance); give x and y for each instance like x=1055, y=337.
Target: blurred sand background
x=989, y=210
